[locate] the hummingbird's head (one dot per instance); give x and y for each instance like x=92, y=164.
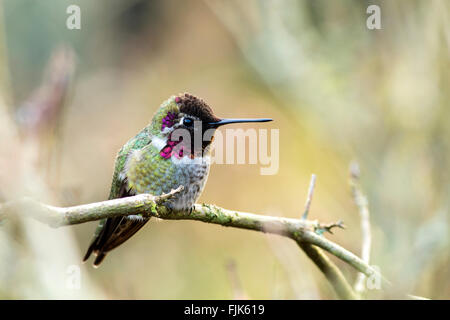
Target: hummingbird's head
x=188, y=115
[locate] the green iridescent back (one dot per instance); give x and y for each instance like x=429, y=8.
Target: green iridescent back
x=138, y=142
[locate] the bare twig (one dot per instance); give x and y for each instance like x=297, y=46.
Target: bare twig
x=329, y=226
x=328, y=268
x=362, y=204
x=302, y=287
x=310, y=195
x=143, y=204
x=42, y=110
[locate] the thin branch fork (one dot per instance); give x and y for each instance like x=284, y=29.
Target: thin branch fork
x=328, y=268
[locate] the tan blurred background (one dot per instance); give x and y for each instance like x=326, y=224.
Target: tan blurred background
x=338, y=92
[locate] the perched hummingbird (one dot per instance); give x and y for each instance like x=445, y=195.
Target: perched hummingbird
x=155, y=162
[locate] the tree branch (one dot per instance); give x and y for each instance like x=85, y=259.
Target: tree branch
x=148, y=205
x=328, y=268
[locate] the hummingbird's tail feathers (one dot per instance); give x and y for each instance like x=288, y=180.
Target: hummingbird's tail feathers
x=113, y=233
x=126, y=227
x=106, y=227
x=100, y=256
x=88, y=253
x=95, y=241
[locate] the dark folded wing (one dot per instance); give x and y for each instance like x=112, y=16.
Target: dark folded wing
x=112, y=232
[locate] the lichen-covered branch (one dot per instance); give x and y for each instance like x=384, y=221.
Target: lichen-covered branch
x=148, y=205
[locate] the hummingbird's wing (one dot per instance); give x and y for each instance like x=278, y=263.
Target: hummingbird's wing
x=112, y=232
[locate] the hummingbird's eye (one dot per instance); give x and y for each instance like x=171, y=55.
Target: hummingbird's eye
x=188, y=122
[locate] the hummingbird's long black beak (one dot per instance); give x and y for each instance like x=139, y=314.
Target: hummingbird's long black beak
x=228, y=121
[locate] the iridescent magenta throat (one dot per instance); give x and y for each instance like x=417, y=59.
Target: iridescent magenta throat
x=169, y=150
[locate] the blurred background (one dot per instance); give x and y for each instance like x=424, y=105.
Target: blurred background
x=339, y=92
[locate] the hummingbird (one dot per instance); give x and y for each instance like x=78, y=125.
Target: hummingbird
x=155, y=161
